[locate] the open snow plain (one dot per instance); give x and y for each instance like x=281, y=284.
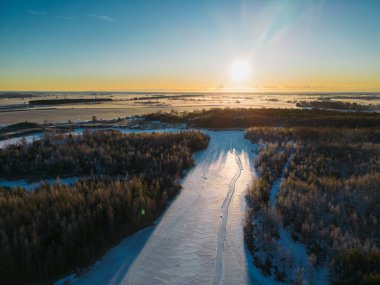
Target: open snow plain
x=199, y=239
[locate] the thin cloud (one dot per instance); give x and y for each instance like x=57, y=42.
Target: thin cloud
x=104, y=18
x=36, y=13
x=64, y=17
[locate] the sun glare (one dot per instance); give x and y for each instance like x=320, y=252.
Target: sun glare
x=240, y=70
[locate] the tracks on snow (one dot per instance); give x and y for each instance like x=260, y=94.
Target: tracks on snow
x=222, y=236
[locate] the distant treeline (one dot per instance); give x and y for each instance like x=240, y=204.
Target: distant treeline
x=16, y=95
x=312, y=134
x=20, y=126
x=159, y=96
x=57, y=228
x=68, y=101
x=327, y=104
x=329, y=200
x=245, y=118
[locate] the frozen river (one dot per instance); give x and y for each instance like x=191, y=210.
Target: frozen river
x=199, y=239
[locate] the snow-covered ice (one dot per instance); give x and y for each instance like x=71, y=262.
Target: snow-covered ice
x=200, y=238
x=113, y=266
x=29, y=186
x=28, y=139
x=277, y=183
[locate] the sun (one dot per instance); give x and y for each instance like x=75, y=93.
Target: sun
x=240, y=70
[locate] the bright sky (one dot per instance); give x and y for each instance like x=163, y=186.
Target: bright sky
x=257, y=45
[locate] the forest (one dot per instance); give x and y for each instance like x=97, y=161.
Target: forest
x=328, y=200
x=100, y=153
x=68, y=101
x=248, y=117
x=57, y=228
x=338, y=105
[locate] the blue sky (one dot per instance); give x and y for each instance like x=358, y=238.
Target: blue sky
x=114, y=44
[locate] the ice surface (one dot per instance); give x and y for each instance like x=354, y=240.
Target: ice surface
x=28, y=139
x=113, y=266
x=200, y=238
x=29, y=186
x=277, y=183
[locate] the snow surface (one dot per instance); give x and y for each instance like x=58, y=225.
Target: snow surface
x=277, y=183
x=30, y=186
x=28, y=139
x=113, y=266
x=19, y=183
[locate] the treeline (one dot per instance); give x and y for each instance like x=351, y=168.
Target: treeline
x=19, y=126
x=17, y=95
x=165, y=96
x=19, y=129
x=329, y=199
x=101, y=153
x=312, y=134
x=338, y=105
x=68, y=101
x=245, y=118
x=56, y=228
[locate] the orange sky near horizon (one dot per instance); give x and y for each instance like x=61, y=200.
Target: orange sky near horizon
x=287, y=45
x=47, y=83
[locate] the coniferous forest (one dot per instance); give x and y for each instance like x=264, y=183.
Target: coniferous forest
x=328, y=200
x=56, y=228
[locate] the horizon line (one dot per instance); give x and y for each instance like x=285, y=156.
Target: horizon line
x=365, y=91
